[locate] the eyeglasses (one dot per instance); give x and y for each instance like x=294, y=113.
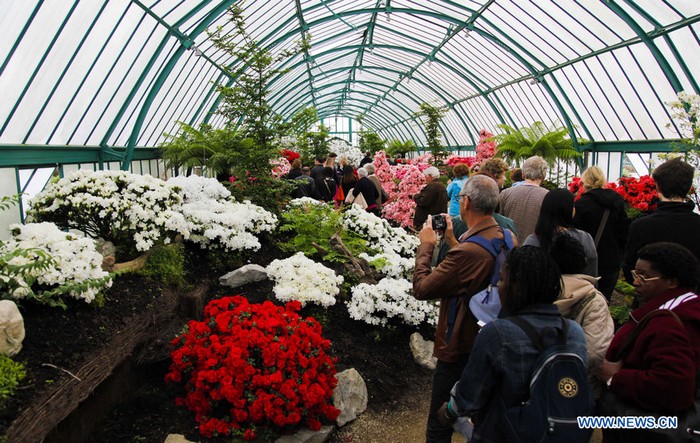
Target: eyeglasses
x=644, y=280
x=461, y=196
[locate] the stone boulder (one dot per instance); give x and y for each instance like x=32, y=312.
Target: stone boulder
x=11, y=328
x=303, y=436
x=422, y=351
x=243, y=275
x=350, y=396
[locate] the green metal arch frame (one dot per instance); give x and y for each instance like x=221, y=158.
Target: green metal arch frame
x=294, y=31
x=535, y=73
x=186, y=43
x=395, y=115
x=383, y=96
x=217, y=11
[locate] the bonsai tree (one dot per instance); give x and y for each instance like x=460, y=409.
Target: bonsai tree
x=551, y=145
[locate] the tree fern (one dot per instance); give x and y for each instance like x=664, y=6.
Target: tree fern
x=517, y=144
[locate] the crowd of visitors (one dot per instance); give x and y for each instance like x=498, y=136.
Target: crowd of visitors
x=554, y=292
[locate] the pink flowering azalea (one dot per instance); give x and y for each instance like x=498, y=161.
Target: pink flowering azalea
x=485, y=149
x=280, y=167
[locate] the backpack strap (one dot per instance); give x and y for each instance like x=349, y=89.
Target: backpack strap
x=536, y=337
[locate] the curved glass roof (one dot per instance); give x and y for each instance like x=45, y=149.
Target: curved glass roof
x=107, y=75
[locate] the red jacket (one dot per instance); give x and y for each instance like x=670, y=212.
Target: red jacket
x=658, y=373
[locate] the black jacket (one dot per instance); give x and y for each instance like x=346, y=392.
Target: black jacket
x=368, y=190
x=672, y=222
x=589, y=214
x=326, y=188
x=306, y=187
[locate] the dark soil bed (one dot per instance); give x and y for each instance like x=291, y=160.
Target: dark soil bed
x=58, y=343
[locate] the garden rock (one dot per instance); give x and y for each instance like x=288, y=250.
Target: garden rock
x=11, y=328
x=350, y=396
x=303, y=436
x=422, y=351
x=243, y=275
x=308, y=436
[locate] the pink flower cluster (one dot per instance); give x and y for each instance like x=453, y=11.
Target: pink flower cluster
x=487, y=147
x=280, y=167
x=400, y=182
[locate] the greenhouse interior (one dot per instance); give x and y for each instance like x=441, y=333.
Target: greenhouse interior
x=176, y=125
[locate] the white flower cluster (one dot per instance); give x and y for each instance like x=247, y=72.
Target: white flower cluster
x=685, y=111
x=343, y=149
x=97, y=202
x=76, y=259
x=300, y=278
x=390, y=298
x=303, y=201
x=396, y=248
x=215, y=220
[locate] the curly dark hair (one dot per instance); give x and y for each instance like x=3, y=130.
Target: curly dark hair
x=568, y=254
x=672, y=260
x=532, y=278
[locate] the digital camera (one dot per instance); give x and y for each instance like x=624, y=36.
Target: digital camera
x=439, y=222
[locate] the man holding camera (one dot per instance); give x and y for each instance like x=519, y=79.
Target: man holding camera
x=465, y=271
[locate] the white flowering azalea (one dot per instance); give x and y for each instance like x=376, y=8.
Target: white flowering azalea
x=395, y=247
x=390, y=298
x=343, y=149
x=194, y=187
x=76, y=262
x=303, y=201
x=300, y=278
x=128, y=209
x=391, y=264
x=215, y=220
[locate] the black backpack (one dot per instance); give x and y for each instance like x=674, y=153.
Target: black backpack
x=559, y=392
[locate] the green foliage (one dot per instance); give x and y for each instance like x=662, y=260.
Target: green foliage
x=245, y=102
x=316, y=224
x=370, y=142
x=9, y=200
x=166, y=263
x=432, y=117
x=396, y=147
x=551, y=145
x=218, y=151
x=268, y=192
x=620, y=313
x=11, y=374
x=310, y=144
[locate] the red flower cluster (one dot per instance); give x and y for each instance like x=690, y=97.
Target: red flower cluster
x=640, y=194
x=576, y=187
x=251, y=369
x=289, y=155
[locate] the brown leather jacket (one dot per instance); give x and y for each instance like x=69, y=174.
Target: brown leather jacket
x=465, y=271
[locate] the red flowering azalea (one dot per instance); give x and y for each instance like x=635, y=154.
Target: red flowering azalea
x=639, y=193
x=254, y=369
x=290, y=155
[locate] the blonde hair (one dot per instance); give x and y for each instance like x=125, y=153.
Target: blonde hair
x=593, y=178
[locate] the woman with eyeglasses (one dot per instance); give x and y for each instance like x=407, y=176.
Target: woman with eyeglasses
x=652, y=361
